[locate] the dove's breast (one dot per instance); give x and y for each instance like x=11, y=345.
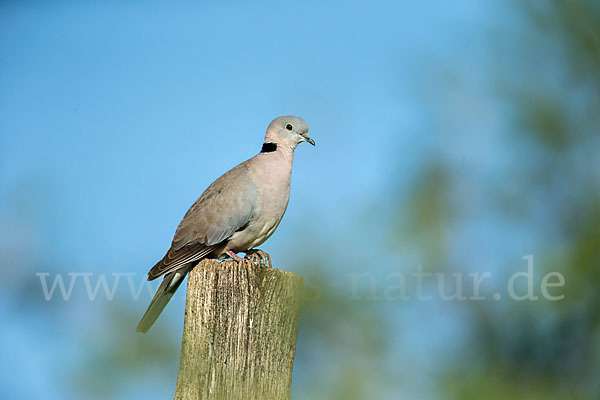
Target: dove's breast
x=271, y=173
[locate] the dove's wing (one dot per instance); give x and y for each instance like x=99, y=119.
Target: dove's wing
x=225, y=207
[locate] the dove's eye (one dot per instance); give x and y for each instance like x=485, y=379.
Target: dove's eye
x=289, y=127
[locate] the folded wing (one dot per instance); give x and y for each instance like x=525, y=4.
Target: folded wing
x=225, y=207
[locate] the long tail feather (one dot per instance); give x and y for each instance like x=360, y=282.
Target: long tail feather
x=164, y=293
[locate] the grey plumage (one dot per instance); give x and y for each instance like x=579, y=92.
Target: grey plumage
x=237, y=212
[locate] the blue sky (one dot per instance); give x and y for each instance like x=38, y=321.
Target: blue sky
x=126, y=111
x=114, y=117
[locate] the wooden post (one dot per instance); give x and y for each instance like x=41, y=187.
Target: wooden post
x=239, y=334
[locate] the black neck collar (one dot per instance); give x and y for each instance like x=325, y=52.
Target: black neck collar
x=268, y=147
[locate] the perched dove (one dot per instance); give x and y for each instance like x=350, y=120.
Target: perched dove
x=236, y=213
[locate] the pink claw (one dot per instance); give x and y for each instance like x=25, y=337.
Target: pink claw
x=234, y=256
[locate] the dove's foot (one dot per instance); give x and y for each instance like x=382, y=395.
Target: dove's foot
x=259, y=256
x=234, y=256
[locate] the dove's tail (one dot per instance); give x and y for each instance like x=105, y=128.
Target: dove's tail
x=164, y=293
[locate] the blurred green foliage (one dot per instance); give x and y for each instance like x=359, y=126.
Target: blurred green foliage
x=531, y=350
x=116, y=358
x=543, y=349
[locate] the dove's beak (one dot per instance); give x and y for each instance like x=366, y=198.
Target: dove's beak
x=307, y=139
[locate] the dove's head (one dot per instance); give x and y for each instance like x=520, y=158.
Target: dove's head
x=287, y=132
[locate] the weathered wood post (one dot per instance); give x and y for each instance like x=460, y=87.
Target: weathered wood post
x=239, y=334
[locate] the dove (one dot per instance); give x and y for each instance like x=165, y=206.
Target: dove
x=236, y=213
